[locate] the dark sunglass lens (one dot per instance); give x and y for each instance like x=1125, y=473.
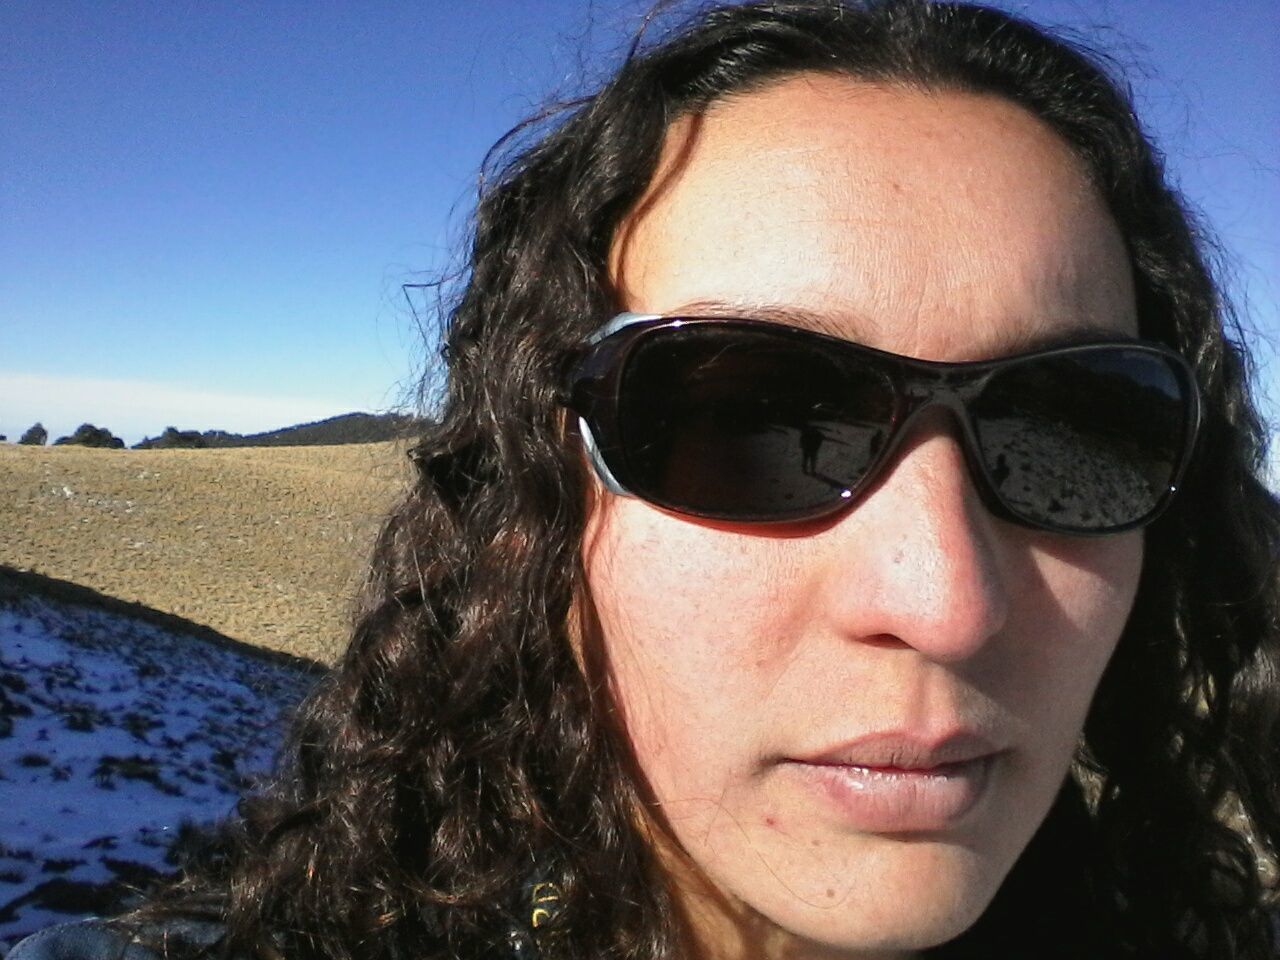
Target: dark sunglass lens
x=746, y=425
x=1088, y=441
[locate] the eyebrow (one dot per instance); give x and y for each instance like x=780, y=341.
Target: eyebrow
x=837, y=325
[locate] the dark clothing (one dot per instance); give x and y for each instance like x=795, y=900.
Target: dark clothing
x=96, y=940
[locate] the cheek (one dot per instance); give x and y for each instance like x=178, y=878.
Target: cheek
x=1094, y=583
x=693, y=625
x=1070, y=623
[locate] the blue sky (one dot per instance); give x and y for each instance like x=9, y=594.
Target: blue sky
x=207, y=209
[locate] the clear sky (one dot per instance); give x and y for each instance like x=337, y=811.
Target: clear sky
x=207, y=208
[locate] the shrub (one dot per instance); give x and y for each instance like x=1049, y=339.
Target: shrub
x=171, y=438
x=36, y=436
x=87, y=435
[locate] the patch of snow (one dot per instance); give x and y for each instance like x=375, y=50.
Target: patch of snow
x=114, y=733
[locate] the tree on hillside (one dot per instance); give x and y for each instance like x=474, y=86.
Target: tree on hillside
x=36, y=435
x=171, y=438
x=87, y=435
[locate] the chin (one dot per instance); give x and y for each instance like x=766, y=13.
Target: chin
x=890, y=929
x=917, y=897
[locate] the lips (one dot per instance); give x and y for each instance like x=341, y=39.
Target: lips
x=904, y=751
x=899, y=783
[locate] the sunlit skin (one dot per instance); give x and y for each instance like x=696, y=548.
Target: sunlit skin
x=945, y=226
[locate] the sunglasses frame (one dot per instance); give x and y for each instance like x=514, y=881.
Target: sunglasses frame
x=592, y=390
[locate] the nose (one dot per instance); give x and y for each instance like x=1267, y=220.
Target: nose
x=920, y=561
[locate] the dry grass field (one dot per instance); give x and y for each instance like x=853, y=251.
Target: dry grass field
x=263, y=544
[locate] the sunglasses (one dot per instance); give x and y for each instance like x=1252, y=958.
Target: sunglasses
x=757, y=422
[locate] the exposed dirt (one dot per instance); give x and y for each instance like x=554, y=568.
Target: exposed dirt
x=264, y=544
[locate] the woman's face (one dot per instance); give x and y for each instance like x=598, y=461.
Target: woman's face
x=850, y=729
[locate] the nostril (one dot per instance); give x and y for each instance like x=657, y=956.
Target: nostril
x=886, y=640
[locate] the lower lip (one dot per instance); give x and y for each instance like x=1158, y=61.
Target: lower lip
x=894, y=800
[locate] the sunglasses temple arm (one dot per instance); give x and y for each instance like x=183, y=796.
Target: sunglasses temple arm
x=597, y=462
x=621, y=322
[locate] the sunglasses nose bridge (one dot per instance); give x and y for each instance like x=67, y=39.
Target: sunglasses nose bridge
x=938, y=390
x=924, y=390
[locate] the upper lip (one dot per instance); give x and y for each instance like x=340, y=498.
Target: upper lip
x=903, y=751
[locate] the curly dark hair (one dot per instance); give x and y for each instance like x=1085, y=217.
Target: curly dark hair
x=459, y=748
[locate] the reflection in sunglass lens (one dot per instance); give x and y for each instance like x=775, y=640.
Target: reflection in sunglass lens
x=1087, y=441
x=748, y=425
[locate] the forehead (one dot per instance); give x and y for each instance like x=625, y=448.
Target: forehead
x=945, y=225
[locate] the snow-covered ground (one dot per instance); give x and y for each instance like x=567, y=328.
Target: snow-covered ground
x=113, y=734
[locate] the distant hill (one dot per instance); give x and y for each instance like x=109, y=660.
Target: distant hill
x=346, y=428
